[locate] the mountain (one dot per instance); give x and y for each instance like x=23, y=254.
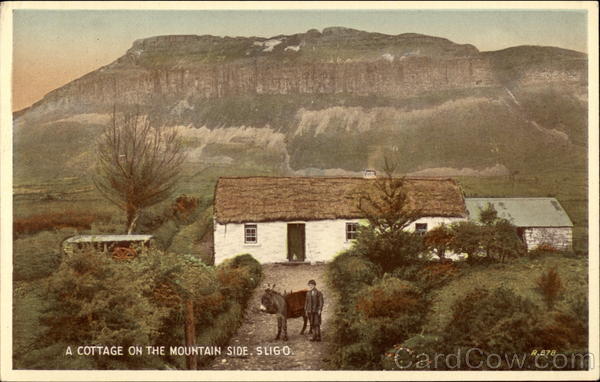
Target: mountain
x=324, y=102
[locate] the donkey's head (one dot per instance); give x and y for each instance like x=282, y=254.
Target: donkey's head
x=270, y=302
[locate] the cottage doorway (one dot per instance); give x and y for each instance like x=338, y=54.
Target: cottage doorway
x=296, y=242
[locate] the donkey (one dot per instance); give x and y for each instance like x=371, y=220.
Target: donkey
x=288, y=305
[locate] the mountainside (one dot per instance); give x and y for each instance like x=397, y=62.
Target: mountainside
x=330, y=102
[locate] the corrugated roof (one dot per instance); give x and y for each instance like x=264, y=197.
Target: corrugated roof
x=523, y=212
x=259, y=199
x=106, y=238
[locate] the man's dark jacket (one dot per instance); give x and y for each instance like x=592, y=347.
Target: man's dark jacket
x=314, y=301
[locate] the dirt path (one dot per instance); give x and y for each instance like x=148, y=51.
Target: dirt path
x=258, y=330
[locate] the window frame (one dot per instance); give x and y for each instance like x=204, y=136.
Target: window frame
x=247, y=233
x=351, y=232
x=421, y=231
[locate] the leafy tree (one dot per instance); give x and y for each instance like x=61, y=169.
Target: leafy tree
x=385, y=205
x=138, y=164
x=467, y=239
x=499, y=236
x=439, y=239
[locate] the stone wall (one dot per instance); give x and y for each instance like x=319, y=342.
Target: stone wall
x=557, y=237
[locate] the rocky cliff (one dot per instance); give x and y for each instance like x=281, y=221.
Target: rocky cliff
x=339, y=60
x=337, y=99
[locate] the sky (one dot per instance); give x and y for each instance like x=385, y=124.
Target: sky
x=54, y=47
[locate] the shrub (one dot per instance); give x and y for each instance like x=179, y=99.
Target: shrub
x=385, y=313
x=550, y=286
x=467, y=238
x=165, y=233
x=438, y=239
x=245, y=264
x=389, y=297
x=349, y=272
x=220, y=329
x=39, y=255
x=90, y=302
x=494, y=321
x=409, y=272
x=436, y=275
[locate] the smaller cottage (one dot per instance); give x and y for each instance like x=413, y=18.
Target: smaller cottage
x=539, y=221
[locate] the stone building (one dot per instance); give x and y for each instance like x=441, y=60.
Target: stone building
x=539, y=221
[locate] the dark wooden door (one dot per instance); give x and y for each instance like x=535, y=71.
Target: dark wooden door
x=296, y=242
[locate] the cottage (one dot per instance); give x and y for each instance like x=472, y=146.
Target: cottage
x=539, y=221
x=310, y=219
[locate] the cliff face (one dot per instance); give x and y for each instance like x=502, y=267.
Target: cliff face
x=339, y=99
x=394, y=79
x=339, y=60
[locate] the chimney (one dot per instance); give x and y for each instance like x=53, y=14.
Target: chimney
x=369, y=173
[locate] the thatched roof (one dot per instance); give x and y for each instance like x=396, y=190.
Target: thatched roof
x=260, y=199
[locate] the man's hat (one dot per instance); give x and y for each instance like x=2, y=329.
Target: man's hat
x=313, y=282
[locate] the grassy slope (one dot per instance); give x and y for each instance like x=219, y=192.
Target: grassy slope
x=519, y=275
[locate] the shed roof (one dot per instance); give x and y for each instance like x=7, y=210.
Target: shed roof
x=106, y=238
x=523, y=212
x=259, y=199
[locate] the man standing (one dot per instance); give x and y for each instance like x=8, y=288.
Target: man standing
x=312, y=308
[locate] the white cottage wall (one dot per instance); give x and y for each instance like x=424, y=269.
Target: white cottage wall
x=270, y=247
x=324, y=239
x=434, y=221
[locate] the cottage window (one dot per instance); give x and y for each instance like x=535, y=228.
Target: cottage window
x=351, y=231
x=421, y=228
x=250, y=234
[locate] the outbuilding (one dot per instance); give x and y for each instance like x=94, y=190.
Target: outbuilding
x=311, y=219
x=539, y=221
x=120, y=246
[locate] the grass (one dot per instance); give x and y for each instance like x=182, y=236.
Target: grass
x=519, y=275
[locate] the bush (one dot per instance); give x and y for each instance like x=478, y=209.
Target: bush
x=220, y=329
x=90, y=302
x=386, y=313
x=349, y=272
x=438, y=240
x=467, y=238
x=165, y=233
x=388, y=298
x=93, y=299
x=496, y=321
x=436, y=275
x=550, y=286
x=39, y=255
x=245, y=266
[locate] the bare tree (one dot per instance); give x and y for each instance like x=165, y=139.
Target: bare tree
x=138, y=164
